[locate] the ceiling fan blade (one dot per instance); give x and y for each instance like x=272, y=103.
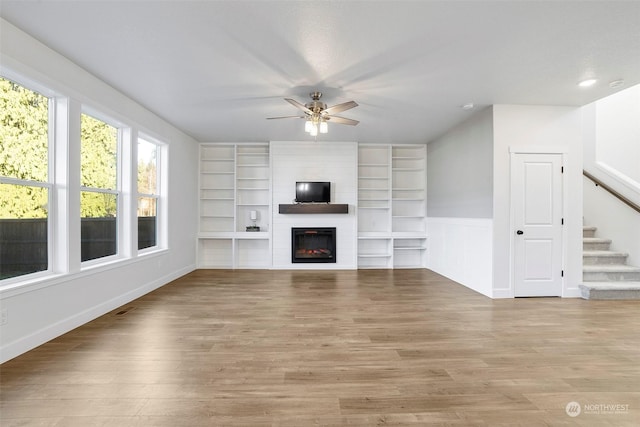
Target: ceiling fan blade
x=286, y=117
x=341, y=107
x=342, y=120
x=298, y=105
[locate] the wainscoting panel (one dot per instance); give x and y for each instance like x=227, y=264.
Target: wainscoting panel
x=461, y=249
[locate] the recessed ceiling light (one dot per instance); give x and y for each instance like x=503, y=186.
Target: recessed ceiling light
x=587, y=83
x=616, y=83
x=468, y=106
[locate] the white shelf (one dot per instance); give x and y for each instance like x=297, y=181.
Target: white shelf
x=252, y=235
x=409, y=248
x=373, y=235
x=246, y=235
x=408, y=235
x=234, y=182
x=392, y=220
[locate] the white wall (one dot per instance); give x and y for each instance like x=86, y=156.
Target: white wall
x=460, y=170
x=538, y=128
x=47, y=308
x=460, y=203
x=617, y=128
x=461, y=249
x=611, y=129
x=336, y=162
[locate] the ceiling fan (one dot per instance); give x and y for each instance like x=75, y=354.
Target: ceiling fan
x=317, y=114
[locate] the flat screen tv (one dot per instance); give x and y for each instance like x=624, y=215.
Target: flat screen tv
x=313, y=192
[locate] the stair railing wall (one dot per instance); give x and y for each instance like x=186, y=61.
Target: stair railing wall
x=613, y=192
x=614, y=219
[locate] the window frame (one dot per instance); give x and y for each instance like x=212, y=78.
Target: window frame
x=159, y=196
x=120, y=209
x=49, y=183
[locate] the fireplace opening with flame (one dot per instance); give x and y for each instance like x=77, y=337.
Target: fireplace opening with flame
x=313, y=244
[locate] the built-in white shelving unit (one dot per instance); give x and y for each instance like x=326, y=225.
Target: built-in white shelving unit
x=234, y=187
x=391, y=206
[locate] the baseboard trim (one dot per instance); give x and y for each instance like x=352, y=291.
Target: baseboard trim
x=502, y=293
x=571, y=293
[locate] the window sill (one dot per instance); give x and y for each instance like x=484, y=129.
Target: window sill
x=44, y=281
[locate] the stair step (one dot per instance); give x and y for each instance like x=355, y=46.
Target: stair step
x=588, y=231
x=609, y=290
x=610, y=273
x=603, y=257
x=595, y=244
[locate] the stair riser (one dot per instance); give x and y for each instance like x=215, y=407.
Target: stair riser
x=604, y=259
x=597, y=276
x=596, y=246
x=618, y=279
x=617, y=294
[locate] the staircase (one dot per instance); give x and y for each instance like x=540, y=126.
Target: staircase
x=605, y=273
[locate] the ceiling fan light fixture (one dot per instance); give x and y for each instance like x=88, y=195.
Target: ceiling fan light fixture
x=317, y=114
x=587, y=83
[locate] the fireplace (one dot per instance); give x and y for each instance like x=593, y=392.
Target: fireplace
x=313, y=244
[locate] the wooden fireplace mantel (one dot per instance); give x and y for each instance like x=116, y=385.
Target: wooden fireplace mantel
x=314, y=208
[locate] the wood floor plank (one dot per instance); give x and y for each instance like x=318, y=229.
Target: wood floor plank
x=332, y=348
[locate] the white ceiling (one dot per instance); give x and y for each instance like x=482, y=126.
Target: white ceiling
x=217, y=69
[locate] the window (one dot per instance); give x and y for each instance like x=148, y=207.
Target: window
x=98, y=188
x=24, y=180
x=56, y=179
x=148, y=186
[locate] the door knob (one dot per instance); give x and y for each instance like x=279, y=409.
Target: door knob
x=519, y=232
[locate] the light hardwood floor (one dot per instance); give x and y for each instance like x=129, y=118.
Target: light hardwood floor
x=333, y=348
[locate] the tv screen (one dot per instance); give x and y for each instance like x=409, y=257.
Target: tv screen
x=313, y=192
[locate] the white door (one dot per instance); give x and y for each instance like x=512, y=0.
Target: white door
x=536, y=198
